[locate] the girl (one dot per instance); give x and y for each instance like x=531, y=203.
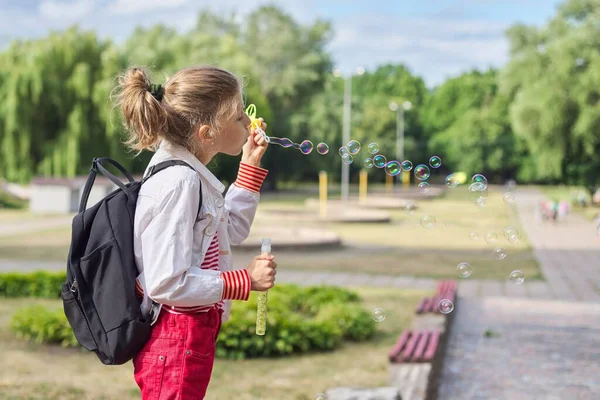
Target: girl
x=184, y=257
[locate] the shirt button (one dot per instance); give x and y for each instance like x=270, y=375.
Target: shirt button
x=161, y=358
x=210, y=230
x=219, y=202
x=188, y=352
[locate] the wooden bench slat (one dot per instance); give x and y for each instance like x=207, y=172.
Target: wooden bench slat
x=432, y=346
x=397, y=349
x=420, y=349
x=410, y=346
x=421, y=306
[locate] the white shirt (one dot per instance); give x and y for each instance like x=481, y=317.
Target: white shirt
x=171, y=239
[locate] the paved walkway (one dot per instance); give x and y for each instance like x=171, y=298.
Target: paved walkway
x=540, y=350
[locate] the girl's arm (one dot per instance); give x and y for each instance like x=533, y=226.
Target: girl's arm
x=169, y=274
x=242, y=200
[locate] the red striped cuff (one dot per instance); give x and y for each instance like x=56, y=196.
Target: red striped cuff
x=236, y=285
x=250, y=177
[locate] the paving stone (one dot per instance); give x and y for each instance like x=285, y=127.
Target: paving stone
x=539, y=349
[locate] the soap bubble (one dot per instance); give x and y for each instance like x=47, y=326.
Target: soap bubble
x=452, y=181
x=435, y=162
x=306, y=147
x=499, y=253
x=428, y=222
x=347, y=159
x=514, y=238
x=424, y=187
x=353, y=146
x=379, y=161
x=478, y=194
x=407, y=165
x=392, y=168
x=422, y=172
x=378, y=314
x=409, y=207
x=445, y=306
x=322, y=148
x=368, y=162
x=516, y=277
x=464, y=270
x=474, y=236
x=509, y=230
x=373, y=148
x=508, y=197
x=343, y=150
x=478, y=178
x=491, y=237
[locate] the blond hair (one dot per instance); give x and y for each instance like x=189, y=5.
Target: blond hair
x=195, y=96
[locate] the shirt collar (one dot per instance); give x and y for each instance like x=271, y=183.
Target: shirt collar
x=168, y=150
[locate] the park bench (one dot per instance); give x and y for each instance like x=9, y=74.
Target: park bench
x=415, y=359
x=444, y=290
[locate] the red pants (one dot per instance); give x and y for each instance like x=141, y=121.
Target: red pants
x=176, y=363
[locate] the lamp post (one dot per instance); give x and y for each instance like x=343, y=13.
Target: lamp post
x=346, y=126
x=399, y=109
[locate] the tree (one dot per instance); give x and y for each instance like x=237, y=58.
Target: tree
x=554, y=76
x=470, y=128
x=49, y=121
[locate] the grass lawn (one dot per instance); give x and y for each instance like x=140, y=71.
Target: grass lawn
x=404, y=247
x=32, y=371
x=564, y=192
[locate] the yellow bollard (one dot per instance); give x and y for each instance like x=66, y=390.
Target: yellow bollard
x=362, y=186
x=389, y=183
x=406, y=178
x=323, y=193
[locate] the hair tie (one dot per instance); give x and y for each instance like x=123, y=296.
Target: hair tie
x=157, y=91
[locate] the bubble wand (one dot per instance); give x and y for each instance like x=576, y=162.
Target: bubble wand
x=261, y=307
x=255, y=122
x=305, y=147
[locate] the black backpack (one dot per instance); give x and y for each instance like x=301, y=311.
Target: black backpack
x=99, y=296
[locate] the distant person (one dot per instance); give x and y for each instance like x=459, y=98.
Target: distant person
x=184, y=257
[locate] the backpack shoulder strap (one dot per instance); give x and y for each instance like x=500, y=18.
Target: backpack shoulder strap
x=154, y=169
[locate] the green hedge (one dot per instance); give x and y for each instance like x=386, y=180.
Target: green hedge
x=8, y=201
x=43, y=325
x=35, y=284
x=299, y=320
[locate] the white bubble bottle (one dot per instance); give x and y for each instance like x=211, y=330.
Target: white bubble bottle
x=261, y=307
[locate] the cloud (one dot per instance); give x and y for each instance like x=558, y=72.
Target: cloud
x=142, y=6
x=433, y=48
x=65, y=11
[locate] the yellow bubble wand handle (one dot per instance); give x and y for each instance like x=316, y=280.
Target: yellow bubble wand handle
x=255, y=122
x=261, y=307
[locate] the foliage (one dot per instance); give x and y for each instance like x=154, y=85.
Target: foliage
x=42, y=325
x=35, y=284
x=536, y=119
x=300, y=320
x=554, y=76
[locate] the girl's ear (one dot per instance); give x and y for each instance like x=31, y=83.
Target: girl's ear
x=203, y=133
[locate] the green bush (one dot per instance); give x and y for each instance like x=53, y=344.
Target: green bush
x=8, y=201
x=35, y=284
x=299, y=320
x=43, y=325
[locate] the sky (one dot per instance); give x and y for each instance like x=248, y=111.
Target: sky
x=435, y=39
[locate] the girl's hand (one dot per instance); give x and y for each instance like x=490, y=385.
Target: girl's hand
x=255, y=146
x=262, y=270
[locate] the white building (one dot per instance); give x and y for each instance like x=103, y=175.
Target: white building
x=62, y=195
